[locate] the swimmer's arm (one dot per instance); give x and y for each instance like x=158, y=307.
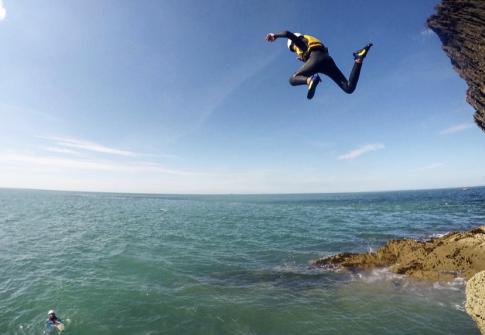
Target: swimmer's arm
x=59, y=325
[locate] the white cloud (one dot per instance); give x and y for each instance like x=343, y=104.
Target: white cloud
x=457, y=128
x=3, y=11
x=88, y=146
x=361, y=151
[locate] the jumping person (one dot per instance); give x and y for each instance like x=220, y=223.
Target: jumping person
x=315, y=55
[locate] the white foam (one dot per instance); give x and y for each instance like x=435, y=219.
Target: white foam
x=460, y=307
x=455, y=285
x=439, y=286
x=377, y=275
x=439, y=235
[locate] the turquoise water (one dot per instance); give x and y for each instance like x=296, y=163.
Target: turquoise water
x=143, y=264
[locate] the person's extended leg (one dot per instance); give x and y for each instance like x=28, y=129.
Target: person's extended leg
x=330, y=69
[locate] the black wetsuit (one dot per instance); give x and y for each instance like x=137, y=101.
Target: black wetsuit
x=319, y=61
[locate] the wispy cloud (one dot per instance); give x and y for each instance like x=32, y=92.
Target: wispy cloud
x=88, y=146
x=361, y=151
x=3, y=11
x=61, y=150
x=456, y=129
x=53, y=162
x=431, y=166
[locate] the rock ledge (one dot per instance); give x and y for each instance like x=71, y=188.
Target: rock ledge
x=455, y=255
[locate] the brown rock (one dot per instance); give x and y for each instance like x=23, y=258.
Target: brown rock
x=475, y=299
x=451, y=256
x=460, y=25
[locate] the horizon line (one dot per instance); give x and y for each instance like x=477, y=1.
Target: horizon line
x=243, y=194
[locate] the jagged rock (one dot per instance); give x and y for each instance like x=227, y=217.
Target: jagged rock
x=458, y=254
x=475, y=299
x=460, y=25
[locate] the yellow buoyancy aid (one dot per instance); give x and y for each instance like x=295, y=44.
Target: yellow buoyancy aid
x=313, y=43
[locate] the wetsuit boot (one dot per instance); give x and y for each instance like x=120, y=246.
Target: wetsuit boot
x=312, y=86
x=360, y=54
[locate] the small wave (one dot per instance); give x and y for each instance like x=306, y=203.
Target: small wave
x=289, y=268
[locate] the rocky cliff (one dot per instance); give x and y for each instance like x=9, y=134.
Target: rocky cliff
x=475, y=299
x=460, y=25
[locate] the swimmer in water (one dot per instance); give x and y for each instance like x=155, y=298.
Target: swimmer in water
x=53, y=322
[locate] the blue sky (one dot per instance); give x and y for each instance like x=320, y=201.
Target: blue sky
x=187, y=97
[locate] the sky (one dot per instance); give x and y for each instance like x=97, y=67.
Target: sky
x=188, y=97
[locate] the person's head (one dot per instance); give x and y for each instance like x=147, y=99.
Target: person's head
x=52, y=314
x=290, y=43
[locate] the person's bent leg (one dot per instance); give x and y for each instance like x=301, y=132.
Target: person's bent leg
x=301, y=76
x=298, y=79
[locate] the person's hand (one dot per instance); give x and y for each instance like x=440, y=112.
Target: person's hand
x=270, y=37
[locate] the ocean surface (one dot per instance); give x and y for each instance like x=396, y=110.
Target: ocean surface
x=155, y=264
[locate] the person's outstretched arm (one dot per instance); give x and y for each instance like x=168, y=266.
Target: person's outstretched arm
x=271, y=37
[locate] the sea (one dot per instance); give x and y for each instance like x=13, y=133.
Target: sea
x=224, y=264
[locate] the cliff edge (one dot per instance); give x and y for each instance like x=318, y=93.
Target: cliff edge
x=460, y=25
